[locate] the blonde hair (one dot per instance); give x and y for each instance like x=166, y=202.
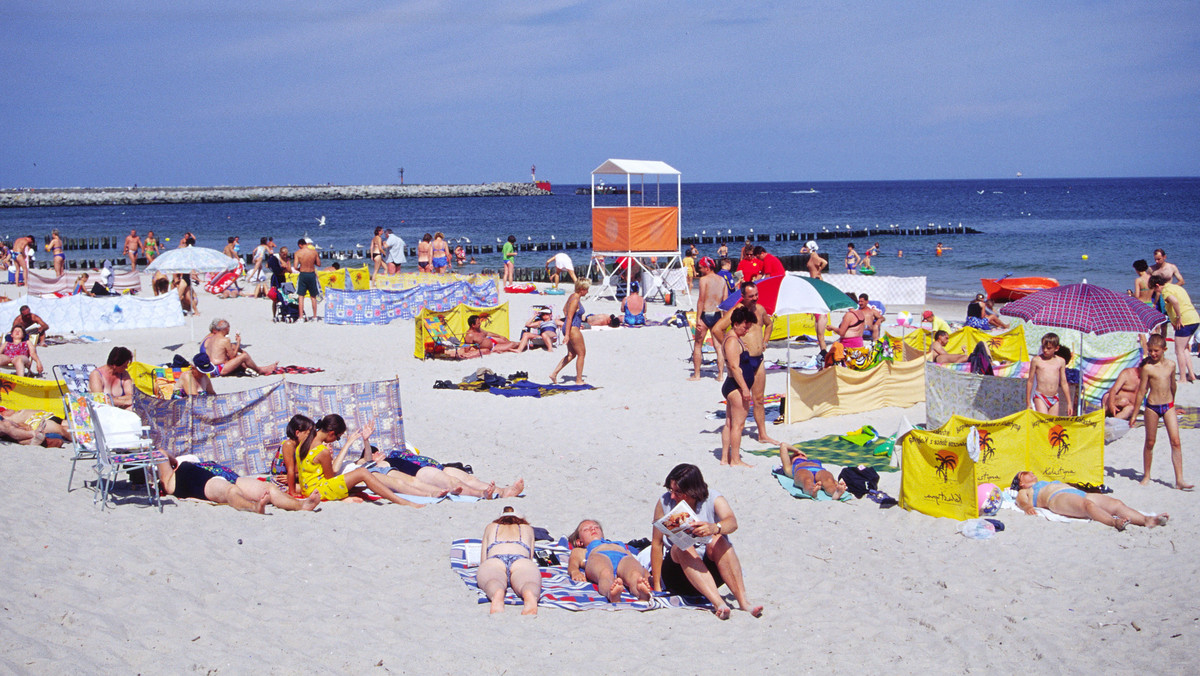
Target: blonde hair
x=582, y=285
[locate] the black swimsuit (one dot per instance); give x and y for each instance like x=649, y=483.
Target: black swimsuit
x=190, y=480
x=749, y=366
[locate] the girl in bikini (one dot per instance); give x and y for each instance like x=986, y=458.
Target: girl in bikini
x=1069, y=501
x=55, y=247
x=441, y=254
x=613, y=566
x=150, y=247
x=425, y=253
x=508, y=562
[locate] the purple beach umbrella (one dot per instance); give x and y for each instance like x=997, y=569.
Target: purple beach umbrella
x=1087, y=308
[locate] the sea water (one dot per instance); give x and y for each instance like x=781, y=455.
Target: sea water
x=1030, y=227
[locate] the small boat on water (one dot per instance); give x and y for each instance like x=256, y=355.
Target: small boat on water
x=1012, y=288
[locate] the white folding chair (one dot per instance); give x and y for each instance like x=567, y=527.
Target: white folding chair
x=72, y=382
x=123, y=447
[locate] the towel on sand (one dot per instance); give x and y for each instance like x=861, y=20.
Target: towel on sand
x=791, y=488
x=834, y=450
x=560, y=591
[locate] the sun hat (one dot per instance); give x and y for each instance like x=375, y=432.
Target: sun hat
x=812, y=246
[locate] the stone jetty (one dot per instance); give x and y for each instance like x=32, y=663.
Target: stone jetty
x=70, y=197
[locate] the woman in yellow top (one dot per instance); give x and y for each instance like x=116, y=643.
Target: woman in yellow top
x=315, y=464
x=1178, y=307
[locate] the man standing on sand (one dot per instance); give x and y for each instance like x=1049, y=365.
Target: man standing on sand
x=1162, y=268
x=307, y=261
x=755, y=343
x=395, y=251
x=228, y=357
x=21, y=249
x=133, y=246
x=713, y=292
x=771, y=266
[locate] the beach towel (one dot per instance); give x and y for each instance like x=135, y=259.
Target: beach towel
x=560, y=591
x=511, y=387
x=834, y=450
x=790, y=486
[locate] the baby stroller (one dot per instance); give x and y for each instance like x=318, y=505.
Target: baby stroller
x=285, y=304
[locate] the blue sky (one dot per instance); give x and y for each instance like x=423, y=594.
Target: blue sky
x=249, y=92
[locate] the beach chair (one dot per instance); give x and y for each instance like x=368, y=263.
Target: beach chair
x=72, y=380
x=124, y=447
x=443, y=343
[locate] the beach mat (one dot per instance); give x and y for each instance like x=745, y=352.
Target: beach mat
x=834, y=450
x=1189, y=418
x=788, y=485
x=504, y=387
x=560, y=591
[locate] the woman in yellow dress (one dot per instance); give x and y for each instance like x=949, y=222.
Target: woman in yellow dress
x=315, y=463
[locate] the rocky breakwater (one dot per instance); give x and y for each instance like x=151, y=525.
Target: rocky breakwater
x=70, y=197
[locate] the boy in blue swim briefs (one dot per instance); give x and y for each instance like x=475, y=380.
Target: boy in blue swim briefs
x=1158, y=389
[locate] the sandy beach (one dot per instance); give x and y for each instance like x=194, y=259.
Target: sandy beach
x=367, y=588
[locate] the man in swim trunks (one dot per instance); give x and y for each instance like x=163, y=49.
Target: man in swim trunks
x=229, y=357
x=713, y=292
x=33, y=324
x=133, y=245
x=21, y=250
x=1162, y=268
x=32, y=428
x=486, y=341
x=755, y=343
x=612, y=566
x=113, y=378
x=1120, y=401
x=307, y=260
x=809, y=475
x=200, y=481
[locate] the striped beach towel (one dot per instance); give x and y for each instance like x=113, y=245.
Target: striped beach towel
x=1099, y=374
x=560, y=591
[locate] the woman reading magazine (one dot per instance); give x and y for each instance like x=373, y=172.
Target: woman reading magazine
x=697, y=557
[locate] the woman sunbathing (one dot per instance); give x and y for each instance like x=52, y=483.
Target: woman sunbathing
x=809, y=475
x=315, y=463
x=32, y=427
x=219, y=485
x=21, y=353
x=445, y=478
x=508, y=562
x=1068, y=501
x=611, y=565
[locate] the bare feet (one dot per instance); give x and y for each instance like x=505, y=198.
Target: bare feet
x=554, y=377
x=498, y=607
x=756, y=611
x=762, y=439
x=1183, y=487
x=39, y=435
x=643, y=590
x=840, y=491
x=268, y=369
x=310, y=503
x=722, y=612
x=1160, y=520
x=1145, y=480
x=1120, y=523
x=514, y=490
x=528, y=609
x=739, y=463
x=694, y=378
x=614, y=591
x=263, y=501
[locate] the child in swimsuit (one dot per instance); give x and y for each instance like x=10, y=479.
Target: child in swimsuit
x=614, y=568
x=1157, y=391
x=1049, y=371
x=508, y=563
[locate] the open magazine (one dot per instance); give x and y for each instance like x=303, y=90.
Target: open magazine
x=675, y=526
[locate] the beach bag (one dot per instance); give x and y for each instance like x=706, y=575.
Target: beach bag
x=860, y=480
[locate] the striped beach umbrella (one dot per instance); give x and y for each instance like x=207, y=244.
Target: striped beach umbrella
x=792, y=295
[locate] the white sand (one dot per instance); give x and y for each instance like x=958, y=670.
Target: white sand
x=367, y=588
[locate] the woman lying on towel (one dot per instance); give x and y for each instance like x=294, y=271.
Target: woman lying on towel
x=32, y=427
x=611, y=565
x=205, y=481
x=406, y=472
x=809, y=475
x=700, y=569
x=308, y=443
x=507, y=561
x=1068, y=501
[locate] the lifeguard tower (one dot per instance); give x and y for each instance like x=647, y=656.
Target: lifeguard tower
x=634, y=233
